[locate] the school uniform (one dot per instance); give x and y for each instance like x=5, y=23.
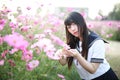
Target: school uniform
x=96, y=54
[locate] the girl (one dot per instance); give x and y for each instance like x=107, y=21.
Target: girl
x=87, y=50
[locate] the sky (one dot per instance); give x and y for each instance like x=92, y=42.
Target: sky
x=93, y=6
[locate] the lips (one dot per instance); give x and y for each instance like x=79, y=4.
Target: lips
x=75, y=33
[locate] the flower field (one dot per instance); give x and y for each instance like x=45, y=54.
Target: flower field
x=28, y=44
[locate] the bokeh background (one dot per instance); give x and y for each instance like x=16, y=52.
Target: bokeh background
x=32, y=30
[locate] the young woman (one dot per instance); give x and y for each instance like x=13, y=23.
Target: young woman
x=87, y=50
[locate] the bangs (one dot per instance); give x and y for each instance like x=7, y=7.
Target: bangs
x=68, y=21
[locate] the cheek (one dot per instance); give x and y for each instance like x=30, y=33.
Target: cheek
x=70, y=31
x=76, y=28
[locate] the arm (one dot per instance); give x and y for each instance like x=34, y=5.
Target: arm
x=90, y=67
x=98, y=52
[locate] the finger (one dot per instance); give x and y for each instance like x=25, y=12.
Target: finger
x=67, y=52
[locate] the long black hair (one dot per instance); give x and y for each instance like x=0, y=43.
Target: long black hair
x=77, y=18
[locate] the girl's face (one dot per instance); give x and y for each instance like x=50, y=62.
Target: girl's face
x=73, y=29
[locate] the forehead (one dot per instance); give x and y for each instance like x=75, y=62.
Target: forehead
x=68, y=21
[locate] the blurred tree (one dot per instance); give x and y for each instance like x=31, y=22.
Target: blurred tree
x=115, y=14
x=103, y=17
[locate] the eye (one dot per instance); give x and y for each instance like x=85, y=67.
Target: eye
x=69, y=26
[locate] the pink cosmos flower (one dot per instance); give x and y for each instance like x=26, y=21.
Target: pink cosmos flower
x=36, y=22
x=55, y=21
x=46, y=45
x=103, y=32
x=3, y=54
x=69, y=9
x=28, y=8
x=83, y=14
x=41, y=5
x=98, y=17
x=39, y=36
x=58, y=41
x=42, y=25
x=13, y=50
x=6, y=10
x=51, y=53
x=38, y=51
x=16, y=40
x=27, y=55
x=109, y=24
x=48, y=31
x=118, y=25
x=13, y=25
x=42, y=43
x=62, y=14
x=30, y=36
x=90, y=25
x=1, y=40
x=2, y=23
x=32, y=65
x=11, y=62
x=109, y=35
x=53, y=56
x=1, y=62
x=25, y=28
x=61, y=76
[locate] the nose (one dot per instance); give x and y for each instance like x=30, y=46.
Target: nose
x=72, y=27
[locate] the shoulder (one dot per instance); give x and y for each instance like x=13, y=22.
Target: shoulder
x=98, y=43
x=97, y=50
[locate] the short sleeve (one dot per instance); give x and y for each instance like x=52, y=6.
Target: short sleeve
x=98, y=52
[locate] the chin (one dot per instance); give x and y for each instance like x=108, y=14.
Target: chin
x=76, y=35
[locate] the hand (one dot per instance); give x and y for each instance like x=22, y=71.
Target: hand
x=71, y=52
x=62, y=57
x=60, y=53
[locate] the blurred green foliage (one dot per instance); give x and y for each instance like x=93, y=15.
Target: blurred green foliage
x=115, y=14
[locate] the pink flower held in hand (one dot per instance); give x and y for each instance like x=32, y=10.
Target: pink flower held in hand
x=66, y=46
x=53, y=56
